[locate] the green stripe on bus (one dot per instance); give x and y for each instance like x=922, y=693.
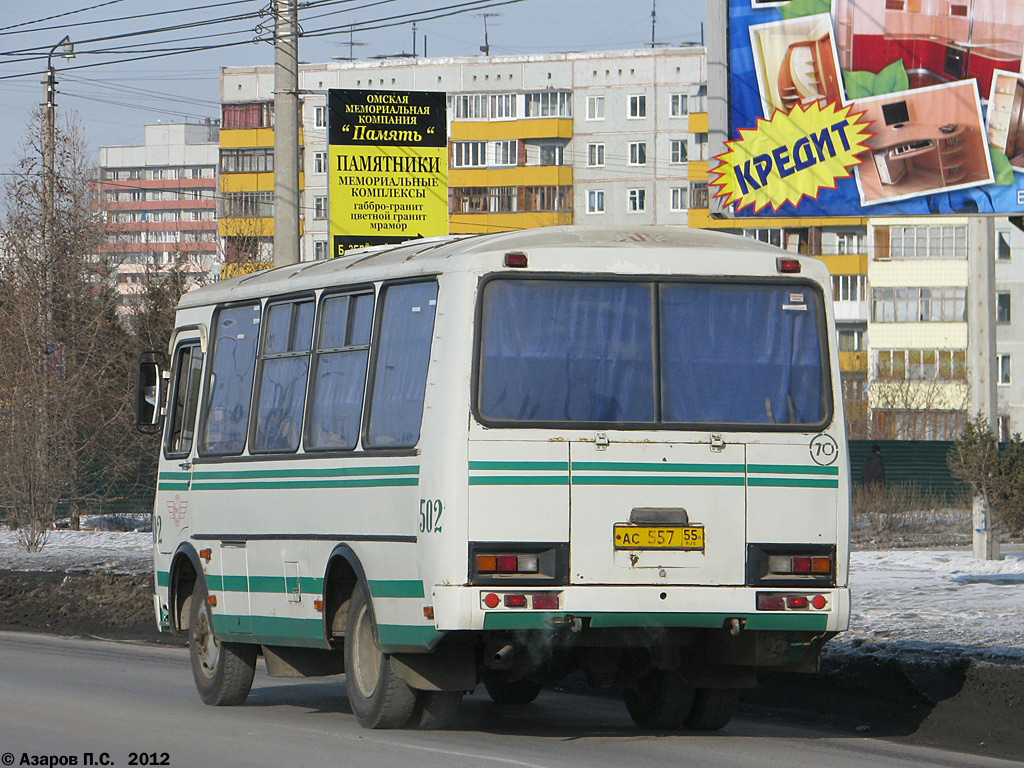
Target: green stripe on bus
x=648, y=480
x=525, y=466
x=172, y=486
x=393, y=636
x=272, y=485
x=247, y=474
x=163, y=579
x=791, y=469
x=519, y=480
x=173, y=476
x=396, y=588
x=538, y=620
x=271, y=630
x=643, y=466
x=792, y=482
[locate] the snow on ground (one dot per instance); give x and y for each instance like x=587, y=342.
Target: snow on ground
x=928, y=600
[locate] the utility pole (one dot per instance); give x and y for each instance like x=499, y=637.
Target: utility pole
x=981, y=355
x=654, y=19
x=49, y=170
x=286, y=132
x=414, y=39
x=485, y=49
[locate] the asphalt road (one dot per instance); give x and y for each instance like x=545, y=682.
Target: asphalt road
x=81, y=702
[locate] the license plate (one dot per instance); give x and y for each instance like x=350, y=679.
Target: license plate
x=658, y=537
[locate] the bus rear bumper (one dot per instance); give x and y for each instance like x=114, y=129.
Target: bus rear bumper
x=594, y=607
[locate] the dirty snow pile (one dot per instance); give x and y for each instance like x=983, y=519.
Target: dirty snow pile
x=941, y=601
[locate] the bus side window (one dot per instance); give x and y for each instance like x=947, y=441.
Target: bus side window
x=339, y=372
x=185, y=398
x=226, y=408
x=400, y=367
x=284, y=364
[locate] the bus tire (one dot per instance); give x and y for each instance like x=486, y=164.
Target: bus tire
x=223, y=672
x=661, y=701
x=712, y=710
x=502, y=690
x=378, y=696
x=436, y=710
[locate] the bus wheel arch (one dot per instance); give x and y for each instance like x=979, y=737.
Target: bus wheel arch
x=344, y=571
x=185, y=568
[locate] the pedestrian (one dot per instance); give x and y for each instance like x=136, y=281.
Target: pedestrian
x=873, y=471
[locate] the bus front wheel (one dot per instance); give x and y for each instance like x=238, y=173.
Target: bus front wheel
x=223, y=672
x=378, y=696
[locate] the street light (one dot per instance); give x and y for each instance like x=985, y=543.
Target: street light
x=49, y=107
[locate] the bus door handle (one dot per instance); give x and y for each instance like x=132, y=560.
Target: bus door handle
x=186, y=465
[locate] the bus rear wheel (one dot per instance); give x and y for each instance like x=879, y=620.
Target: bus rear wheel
x=661, y=701
x=378, y=696
x=712, y=709
x=223, y=672
x=503, y=690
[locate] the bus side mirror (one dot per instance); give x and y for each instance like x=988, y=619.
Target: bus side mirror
x=149, y=394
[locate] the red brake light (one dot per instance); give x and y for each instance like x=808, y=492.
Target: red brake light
x=787, y=265
x=801, y=565
x=796, y=601
x=548, y=602
x=819, y=601
x=515, y=601
x=515, y=259
x=769, y=602
x=491, y=600
x=507, y=563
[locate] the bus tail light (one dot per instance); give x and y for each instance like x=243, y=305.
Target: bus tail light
x=516, y=259
x=546, y=602
x=522, y=564
x=515, y=601
x=787, y=266
x=777, y=601
x=538, y=601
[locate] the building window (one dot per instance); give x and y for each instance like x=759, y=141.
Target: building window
x=923, y=242
x=595, y=107
x=678, y=198
x=1003, y=427
x=595, y=155
x=320, y=117
x=503, y=106
x=257, y=160
x=469, y=200
x=637, y=107
x=502, y=200
x=944, y=364
x=1003, y=244
x=919, y=305
x=547, y=198
x=699, y=194
x=246, y=116
x=1003, y=307
x=320, y=207
x=849, y=287
x=469, y=106
x=848, y=242
x=506, y=152
x=638, y=153
x=850, y=340
x=770, y=236
x=320, y=251
x=548, y=104
x=552, y=154
x=469, y=154
x=595, y=201
x=1003, y=362
x=678, y=106
x=637, y=200
x=319, y=162
x=677, y=151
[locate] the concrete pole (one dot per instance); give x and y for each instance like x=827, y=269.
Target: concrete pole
x=981, y=356
x=286, y=132
x=718, y=86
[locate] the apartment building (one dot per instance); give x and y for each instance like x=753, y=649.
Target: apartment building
x=159, y=201
x=613, y=138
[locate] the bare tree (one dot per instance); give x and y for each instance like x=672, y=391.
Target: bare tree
x=64, y=356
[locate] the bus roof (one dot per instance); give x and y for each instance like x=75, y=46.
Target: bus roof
x=463, y=252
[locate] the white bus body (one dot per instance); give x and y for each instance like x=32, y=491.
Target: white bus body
x=507, y=457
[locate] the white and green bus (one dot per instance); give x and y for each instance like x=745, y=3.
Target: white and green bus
x=501, y=459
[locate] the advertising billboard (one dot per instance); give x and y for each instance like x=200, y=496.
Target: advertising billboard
x=873, y=108
x=387, y=154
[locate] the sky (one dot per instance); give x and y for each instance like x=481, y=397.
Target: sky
x=122, y=76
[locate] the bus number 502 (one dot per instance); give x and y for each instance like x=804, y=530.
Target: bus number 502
x=430, y=515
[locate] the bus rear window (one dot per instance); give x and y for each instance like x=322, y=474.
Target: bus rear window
x=652, y=352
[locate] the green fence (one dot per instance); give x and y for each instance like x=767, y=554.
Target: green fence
x=921, y=463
